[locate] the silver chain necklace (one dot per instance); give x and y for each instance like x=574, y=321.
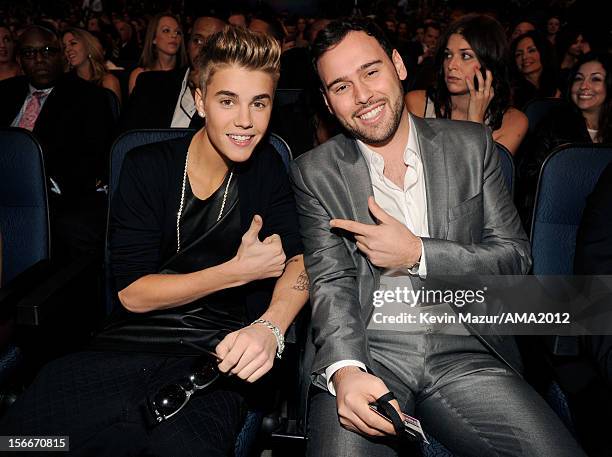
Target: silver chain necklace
x=180, y=211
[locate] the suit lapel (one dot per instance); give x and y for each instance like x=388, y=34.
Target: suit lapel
x=358, y=184
x=436, y=179
x=354, y=171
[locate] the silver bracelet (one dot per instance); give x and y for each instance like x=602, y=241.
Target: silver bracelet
x=280, y=339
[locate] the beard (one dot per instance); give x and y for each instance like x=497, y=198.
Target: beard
x=382, y=133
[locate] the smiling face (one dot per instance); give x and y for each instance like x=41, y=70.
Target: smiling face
x=588, y=90
x=362, y=87
x=237, y=106
x=7, y=46
x=527, y=57
x=168, y=36
x=460, y=62
x=74, y=50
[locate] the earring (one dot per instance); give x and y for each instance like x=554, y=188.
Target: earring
x=202, y=114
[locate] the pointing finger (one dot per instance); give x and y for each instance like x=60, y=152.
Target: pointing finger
x=350, y=226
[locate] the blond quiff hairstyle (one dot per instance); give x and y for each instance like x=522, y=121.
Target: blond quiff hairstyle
x=241, y=47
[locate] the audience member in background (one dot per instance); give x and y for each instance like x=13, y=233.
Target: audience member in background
x=571, y=44
x=108, y=46
x=594, y=257
x=419, y=33
x=139, y=27
x=586, y=118
x=85, y=56
x=522, y=27
x=553, y=24
x=128, y=51
x=204, y=240
x=431, y=35
x=237, y=18
x=295, y=62
x=164, y=48
x=8, y=65
x=301, y=37
x=534, y=70
x=73, y=122
x=266, y=23
x=164, y=99
x=93, y=25
x=425, y=73
x=472, y=81
x=309, y=111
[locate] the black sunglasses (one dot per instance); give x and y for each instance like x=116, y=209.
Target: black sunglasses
x=171, y=398
x=45, y=52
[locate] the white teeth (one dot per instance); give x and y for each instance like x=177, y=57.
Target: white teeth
x=373, y=113
x=240, y=137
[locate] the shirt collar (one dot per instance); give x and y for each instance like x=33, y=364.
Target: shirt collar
x=45, y=92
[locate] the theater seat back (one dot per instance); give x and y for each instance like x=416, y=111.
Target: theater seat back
x=24, y=213
x=566, y=179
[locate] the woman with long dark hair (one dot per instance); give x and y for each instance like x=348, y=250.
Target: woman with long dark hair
x=472, y=81
x=534, y=71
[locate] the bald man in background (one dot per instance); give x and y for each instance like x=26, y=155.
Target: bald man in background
x=164, y=99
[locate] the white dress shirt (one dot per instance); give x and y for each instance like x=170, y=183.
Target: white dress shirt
x=185, y=106
x=408, y=205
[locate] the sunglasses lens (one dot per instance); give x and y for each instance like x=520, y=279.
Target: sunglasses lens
x=204, y=375
x=170, y=399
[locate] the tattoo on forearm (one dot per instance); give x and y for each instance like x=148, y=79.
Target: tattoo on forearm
x=302, y=282
x=291, y=261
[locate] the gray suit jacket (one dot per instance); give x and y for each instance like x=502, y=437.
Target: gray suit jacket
x=473, y=224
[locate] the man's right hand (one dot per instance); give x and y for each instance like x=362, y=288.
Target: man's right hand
x=259, y=259
x=355, y=390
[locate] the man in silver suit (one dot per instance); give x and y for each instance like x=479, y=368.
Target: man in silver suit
x=398, y=198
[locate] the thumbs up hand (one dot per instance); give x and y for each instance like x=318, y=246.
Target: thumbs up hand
x=260, y=259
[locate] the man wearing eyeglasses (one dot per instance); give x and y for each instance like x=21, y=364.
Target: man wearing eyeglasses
x=72, y=120
x=164, y=99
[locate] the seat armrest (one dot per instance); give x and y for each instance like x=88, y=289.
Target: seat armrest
x=21, y=285
x=41, y=302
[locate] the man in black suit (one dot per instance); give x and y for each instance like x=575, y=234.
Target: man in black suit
x=72, y=120
x=164, y=99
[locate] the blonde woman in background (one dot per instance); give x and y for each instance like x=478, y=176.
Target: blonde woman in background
x=164, y=47
x=8, y=65
x=84, y=54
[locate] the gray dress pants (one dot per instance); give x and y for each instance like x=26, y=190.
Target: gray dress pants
x=464, y=397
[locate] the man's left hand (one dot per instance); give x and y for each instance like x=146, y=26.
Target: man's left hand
x=389, y=244
x=247, y=353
